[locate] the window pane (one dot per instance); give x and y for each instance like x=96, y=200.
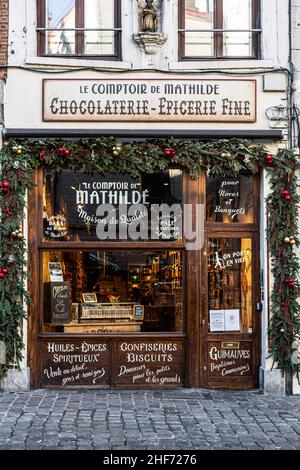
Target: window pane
x=229, y=199
x=99, y=14
x=199, y=15
x=230, y=284
x=237, y=14
x=104, y=291
x=60, y=14
x=130, y=206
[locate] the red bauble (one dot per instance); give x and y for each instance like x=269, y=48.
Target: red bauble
x=42, y=156
x=269, y=160
x=172, y=152
x=61, y=151
x=2, y=276
x=168, y=153
x=5, y=271
x=290, y=282
x=66, y=152
x=1, y=185
x=288, y=198
x=8, y=212
x=4, y=190
x=6, y=184
x=285, y=193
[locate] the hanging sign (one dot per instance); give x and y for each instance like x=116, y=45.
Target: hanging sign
x=144, y=100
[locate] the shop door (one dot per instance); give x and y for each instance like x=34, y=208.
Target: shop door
x=230, y=293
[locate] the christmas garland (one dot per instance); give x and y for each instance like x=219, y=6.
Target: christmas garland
x=19, y=159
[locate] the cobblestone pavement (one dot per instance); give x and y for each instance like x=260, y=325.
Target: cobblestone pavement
x=123, y=420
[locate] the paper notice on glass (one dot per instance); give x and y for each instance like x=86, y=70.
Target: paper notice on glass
x=232, y=320
x=56, y=274
x=216, y=319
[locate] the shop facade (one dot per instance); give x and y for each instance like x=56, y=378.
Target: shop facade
x=154, y=277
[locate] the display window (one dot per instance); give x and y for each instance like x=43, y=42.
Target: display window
x=94, y=207
x=230, y=285
x=230, y=199
x=112, y=291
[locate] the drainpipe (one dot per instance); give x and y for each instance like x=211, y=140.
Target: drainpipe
x=289, y=377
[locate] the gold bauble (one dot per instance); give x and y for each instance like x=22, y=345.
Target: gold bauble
x=19, y=151
x=223, y=154
x=292, y=242
x=14, y=234
x=119, y=149
x=19, y=147
x=15, y=149
x=115, y=153
x=20, y=235
x=286, y=240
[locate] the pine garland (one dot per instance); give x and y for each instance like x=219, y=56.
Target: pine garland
x=20, y=158
x=284, y=325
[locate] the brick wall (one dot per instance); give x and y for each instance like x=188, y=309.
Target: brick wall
x=3, y=33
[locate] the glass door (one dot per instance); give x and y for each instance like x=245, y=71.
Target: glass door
x=230, y=305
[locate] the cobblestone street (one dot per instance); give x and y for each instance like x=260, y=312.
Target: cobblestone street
x=152, y=420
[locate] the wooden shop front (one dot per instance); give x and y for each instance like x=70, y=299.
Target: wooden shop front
x=149, y=311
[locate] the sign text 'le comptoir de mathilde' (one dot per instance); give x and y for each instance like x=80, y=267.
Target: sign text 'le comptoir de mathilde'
x=149, y=100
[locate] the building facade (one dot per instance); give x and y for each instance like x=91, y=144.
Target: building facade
x=153, y=311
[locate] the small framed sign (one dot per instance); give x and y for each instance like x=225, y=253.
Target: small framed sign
x=89, y=298
x=55, y=271
x=138, y=312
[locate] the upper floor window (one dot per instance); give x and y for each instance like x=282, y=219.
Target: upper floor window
x=218, y=29
x=76, y=28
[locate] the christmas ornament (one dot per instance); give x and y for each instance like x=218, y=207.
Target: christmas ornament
x=66, y=152
x=17, y=234
x=269, y=159
x=281, y=330
x=288, y=198
x=290, y=282
x=61, y=151
x=42, y=156
x=18, y=149
x=286, y=240
x=16, y=165
x=2, y=275
x=170, y=152
x=292, y=241
x=285, y=193
x=8, y=212
x=116, y=150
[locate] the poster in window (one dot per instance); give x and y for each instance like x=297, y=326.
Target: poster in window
x=217, y=320
x=232, y=320
x=55, y=270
